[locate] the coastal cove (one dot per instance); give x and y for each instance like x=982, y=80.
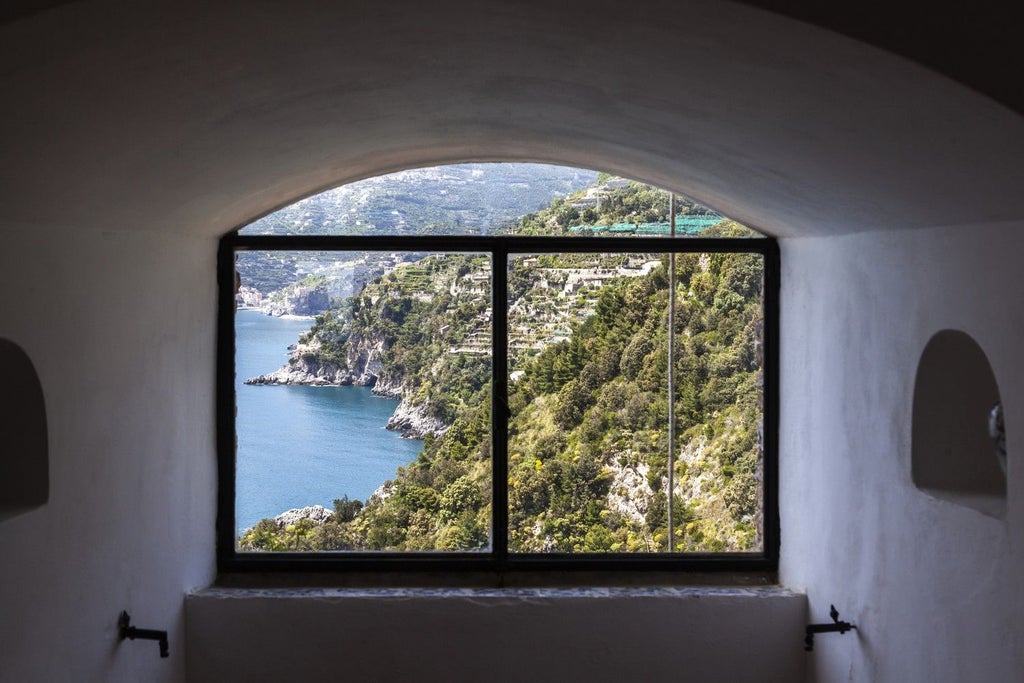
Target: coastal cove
x=304, y=445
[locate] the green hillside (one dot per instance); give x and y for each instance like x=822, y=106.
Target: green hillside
x=588, y=434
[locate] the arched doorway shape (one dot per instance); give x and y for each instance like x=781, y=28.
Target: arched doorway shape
x=24, y=468
x=953, y=455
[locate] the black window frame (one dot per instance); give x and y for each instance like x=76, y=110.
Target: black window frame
x=497, y=558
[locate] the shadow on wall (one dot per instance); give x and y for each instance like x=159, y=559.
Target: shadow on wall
x=958, y=450
x=24, y=460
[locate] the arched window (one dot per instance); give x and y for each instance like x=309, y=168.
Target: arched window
x=498, y=366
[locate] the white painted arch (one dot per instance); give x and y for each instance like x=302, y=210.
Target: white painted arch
x=200, y=119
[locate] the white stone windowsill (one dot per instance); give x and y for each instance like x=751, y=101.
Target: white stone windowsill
x=700, y=633
x=513, y=593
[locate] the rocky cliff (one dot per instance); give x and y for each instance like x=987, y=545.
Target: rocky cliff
x=317, y=514
x=305, y=368
x=298, y=299
x=309, y=366
x=415, y=421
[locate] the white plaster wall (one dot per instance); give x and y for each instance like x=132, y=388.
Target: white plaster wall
x=120, y=327
x=934, y=587
x=189, y=119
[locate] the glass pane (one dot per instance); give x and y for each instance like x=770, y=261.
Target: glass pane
x=719, y=323
x=462, y=199
x=588, y=392
x=495, y=199
x=618, y=207
x=363, y=401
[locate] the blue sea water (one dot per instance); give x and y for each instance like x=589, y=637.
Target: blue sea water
x=300, y=445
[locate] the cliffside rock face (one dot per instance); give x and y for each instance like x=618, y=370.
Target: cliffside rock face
x=318, y=514
x=249, y=297
x=414, y=422
x=363, y=358
x=630, y=493
x=298, y=300
x=362, y=368
x=352, y=353
x=304, y=367
x=381, y=494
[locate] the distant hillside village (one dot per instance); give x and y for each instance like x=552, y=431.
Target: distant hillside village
x=685, y=225
x=692, y=220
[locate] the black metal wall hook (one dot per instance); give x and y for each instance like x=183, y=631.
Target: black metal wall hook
x=835, y=627
x=126, y=630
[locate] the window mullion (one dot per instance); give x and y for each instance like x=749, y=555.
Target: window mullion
x=499, y=402
x=671, y=376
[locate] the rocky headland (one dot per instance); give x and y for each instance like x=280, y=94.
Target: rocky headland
x=317, y=514
x=298, y=299
x=362, y=366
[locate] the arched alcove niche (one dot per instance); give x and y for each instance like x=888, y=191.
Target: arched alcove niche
x=953, y=454
x=24, y=459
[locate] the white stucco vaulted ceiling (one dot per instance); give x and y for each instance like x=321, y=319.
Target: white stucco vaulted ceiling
x=192, y=119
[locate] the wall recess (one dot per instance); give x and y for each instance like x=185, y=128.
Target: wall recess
x=954, y=456
x=24, y=459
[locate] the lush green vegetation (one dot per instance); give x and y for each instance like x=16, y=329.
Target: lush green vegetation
x=588, y=440
x=610, y=204
x=266, y=271
x=429, y=322
x=588, y=434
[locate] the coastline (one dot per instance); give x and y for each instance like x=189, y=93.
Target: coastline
x=283, y=316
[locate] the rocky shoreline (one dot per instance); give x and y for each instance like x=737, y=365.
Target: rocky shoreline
x=305, y=369
x=414, y=422
x=317, y=514
x=296, y=300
